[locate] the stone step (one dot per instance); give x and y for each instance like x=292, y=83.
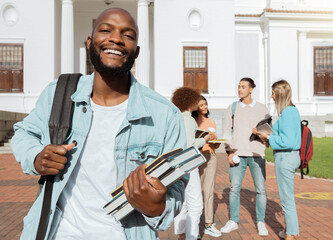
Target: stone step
x=5, y=150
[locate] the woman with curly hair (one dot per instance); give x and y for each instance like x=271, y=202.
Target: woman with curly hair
x=186, y=224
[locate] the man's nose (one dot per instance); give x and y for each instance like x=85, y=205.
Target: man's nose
x=116, y=37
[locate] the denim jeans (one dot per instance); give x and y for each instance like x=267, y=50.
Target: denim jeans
x=236, y=174
x=286, y=164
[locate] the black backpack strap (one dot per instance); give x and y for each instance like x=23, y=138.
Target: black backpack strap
x=59, y=124
x=233, y=110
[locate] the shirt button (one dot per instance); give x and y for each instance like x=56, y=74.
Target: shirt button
x=84, y=109
x=142, y=155
x=75, y=142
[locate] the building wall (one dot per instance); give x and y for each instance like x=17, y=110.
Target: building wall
x=36, y=32
x=249, y=56
x=216, y=32
x=291, y=58
x=283, y=57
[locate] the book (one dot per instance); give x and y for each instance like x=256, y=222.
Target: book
x=267, y=120
x=200, y=133
x=118, y=195
x=265, y=128
x=168, y=171
x=218, y=141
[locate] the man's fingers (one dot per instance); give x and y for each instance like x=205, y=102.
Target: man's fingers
x=155, y=182
x=52, y=171
x=54, y=165
x=125, y=187
x=69, y=147
x=139, y=181
x=53, y=157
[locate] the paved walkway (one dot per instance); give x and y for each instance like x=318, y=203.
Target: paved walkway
x=314, y=204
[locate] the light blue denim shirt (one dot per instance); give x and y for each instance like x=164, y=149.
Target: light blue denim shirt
x=152, y=126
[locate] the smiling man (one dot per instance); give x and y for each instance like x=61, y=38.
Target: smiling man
x=119, y=126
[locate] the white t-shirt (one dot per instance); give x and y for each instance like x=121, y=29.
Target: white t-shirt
x=93, y=179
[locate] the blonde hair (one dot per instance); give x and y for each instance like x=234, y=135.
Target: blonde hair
x=282, y=92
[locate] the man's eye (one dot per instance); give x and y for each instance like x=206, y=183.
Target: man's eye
x=104, y=30
x=129, y=36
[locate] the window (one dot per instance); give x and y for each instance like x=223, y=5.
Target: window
x=323, y=71
x=196, y=68
x=11, y=68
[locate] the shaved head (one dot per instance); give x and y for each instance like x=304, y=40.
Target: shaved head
x=113, y=43
x=118, y=11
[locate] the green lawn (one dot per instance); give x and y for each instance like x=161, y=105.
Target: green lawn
x=321, y=164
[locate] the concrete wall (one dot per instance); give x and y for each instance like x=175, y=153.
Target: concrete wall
x=292, y=59
x=216, y=32
x=249, y=56
x=34, y=28
x=7, y=119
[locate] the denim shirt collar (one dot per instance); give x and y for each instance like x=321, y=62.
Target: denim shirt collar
x=136, y=108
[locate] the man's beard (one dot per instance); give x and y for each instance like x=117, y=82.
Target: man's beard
x=109, y=71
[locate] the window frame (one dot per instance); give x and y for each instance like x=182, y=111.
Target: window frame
x=197, y=71
x=14, y=85
x=323, y=76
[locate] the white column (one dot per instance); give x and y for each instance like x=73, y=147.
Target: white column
x=267, y=89
x=304, y=88
x=83, y=61
x=67, y=37
x=142, y=64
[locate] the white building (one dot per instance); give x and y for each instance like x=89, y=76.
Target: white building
x=208, y=44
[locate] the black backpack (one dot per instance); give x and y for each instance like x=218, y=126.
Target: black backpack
x=59, y=124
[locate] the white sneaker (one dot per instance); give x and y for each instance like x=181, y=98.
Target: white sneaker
x=262, y=230
x=282, y=234
x=229, y=226
x=212, y=231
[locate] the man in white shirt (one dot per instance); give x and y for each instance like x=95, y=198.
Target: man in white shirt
x=248, y=113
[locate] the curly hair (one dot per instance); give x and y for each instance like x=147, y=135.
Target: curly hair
x=185, y=97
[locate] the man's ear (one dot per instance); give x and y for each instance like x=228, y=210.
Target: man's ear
x=137, y=51
x=88, y=42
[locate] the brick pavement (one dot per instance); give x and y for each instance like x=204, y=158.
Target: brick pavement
x=314, y=204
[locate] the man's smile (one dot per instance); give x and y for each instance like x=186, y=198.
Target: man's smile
x=113, y=52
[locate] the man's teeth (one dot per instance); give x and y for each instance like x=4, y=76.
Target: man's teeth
x=112, y=51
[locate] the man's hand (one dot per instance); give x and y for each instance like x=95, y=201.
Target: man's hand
x=52, y=159
x=231, y=162
x=146, y=194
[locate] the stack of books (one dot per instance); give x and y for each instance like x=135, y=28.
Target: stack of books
x=168, y=168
